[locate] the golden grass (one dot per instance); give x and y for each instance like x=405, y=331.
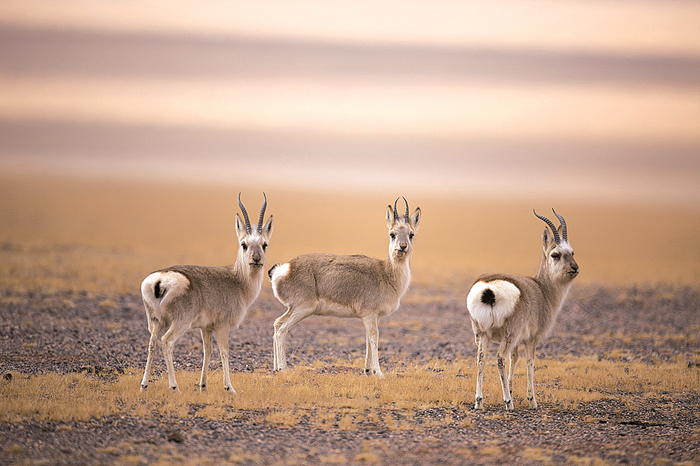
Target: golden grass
x=104, y=237
x=339, y=401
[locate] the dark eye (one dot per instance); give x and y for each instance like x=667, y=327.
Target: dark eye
x=556, y=256
x=410, y=236
x=264, y=246
x=244, y=246
x=392, y=236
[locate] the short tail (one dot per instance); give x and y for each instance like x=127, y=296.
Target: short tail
x=272, y=271
x=158, y=291
x=160, y=288
x=490, y=303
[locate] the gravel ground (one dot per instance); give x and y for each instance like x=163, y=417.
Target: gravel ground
x=75, y=332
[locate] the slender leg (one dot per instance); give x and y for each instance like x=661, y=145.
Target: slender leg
x=368, y=353
x=530, y=361
x=154, y=327
x=207, y=348
x=222, y=341
x=500, y=363
x=168, y=340
x=282, y=325
x=511, y=369
x=481, y=341
x=372, y=336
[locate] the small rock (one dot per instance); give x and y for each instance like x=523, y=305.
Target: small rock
x=174, y=436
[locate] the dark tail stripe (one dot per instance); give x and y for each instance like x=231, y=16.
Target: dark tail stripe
x=272, y=270
x=158, y=291
x=488, y=297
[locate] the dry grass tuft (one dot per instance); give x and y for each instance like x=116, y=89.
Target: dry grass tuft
x=341, y=401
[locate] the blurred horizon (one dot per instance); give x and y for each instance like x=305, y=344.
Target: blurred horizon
x=581, y=101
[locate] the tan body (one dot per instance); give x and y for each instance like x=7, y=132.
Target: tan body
x=211, y=299
x=346, y=286
x=512, y=309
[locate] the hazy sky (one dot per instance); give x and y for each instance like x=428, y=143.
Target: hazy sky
x=591, y=99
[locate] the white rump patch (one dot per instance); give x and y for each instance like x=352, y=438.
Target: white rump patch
x=278, y=274
x=172, y=285
x=487, y=316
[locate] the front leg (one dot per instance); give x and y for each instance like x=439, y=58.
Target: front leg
x=372, y=337
x=222, y=341
x=530, y=361
x=207, y=348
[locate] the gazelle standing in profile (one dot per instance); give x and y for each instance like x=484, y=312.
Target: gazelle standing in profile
x=511, y=309
x=346, y=286
x=212, y=299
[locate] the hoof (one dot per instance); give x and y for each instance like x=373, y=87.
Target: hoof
x=533, y=403
x=144, y=387
x=231, y=390
x=509, y=405
x=479, y=404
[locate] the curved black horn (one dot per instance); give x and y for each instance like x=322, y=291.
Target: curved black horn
x=262, y=214
x=396, y=214
x=563, y=226
x=557, y=240
x=406, y=214
x=245, y=214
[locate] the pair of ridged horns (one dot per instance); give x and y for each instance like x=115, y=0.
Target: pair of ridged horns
x=557, y=239
x=245, y=215
x=396, y=214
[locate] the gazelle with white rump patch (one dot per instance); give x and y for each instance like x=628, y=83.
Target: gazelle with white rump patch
x=346, y=286
x=212, y=299
x=511, y=309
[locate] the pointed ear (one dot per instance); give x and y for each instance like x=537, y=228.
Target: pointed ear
x=415, y=218
x=547, y=239
x=267, y=228
x=390, y=217
x=240, y=228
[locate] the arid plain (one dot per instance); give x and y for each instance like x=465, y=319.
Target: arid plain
x=617, y=380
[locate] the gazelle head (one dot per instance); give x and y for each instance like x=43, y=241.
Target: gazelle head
x=401, y=230
x=558, y=255
x=253, y=241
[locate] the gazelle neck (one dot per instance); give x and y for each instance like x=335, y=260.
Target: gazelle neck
x=250, y=276
x=554, y=289
x=399, y=271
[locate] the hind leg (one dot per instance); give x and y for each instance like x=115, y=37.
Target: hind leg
x=481, y=343
x=503, y=350
x=154, y=327
x=168, y=341
x=511, y=369
x=282, y=325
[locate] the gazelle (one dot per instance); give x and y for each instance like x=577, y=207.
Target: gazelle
x=346, y=286
x=511, y=309
x=212, y=299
